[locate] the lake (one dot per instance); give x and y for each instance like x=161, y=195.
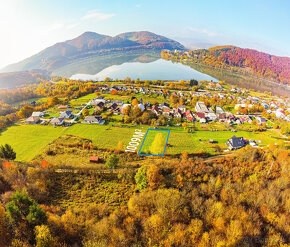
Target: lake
x=156, y=70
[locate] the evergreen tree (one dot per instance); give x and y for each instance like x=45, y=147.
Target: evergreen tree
x=7, y=152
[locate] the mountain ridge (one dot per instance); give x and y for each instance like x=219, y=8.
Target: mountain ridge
x=89, y=43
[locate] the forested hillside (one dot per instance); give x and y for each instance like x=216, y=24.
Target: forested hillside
x=249, y=61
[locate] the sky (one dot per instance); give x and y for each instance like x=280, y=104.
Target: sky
x=28, y=26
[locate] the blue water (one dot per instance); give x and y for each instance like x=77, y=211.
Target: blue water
x=157, y=70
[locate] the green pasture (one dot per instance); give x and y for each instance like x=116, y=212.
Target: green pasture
x=30, y=140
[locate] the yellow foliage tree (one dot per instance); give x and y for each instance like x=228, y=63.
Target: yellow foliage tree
x=157, y=146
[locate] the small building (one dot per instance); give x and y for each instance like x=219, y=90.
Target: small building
x=200, y=107
x=66, y=114
x=236, y=143
x=94, y=159
x=33, y=120
x=94, y=120
x=37, y=114
x=178, y=113
x=182, y=108
x=261, y=120
x=57, y=121
x=189, y=116
x=63, y=107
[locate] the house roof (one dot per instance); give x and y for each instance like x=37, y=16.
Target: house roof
x=37, y=114
x=92, y=118
x=56, y=120
x=33, y=119
x=237, y=141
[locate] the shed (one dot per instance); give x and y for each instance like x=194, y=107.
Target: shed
x=94, y=159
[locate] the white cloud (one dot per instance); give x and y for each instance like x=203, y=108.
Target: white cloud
x=138, y=6
x=94, y=14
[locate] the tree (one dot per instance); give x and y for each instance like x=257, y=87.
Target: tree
x=135, y=102
x=85, y=112
x=112, y=161
x=141, y=178
x=7, y=152
x=23, y=208
x=193, y=82
x=43, y=236
x=157, y=146
x=154, y=177
x=120, y=145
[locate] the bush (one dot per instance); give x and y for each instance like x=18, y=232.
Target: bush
x=112, y=162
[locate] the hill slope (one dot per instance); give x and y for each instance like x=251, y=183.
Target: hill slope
x=247, y=60
x=90, y=43
x=14, y=79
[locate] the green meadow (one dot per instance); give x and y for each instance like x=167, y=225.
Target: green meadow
x=30, y=140
x=150, y=137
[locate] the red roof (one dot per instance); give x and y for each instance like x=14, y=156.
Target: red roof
x=200, y=114
x=94, y=159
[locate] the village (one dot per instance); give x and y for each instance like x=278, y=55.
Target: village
x=212, y=106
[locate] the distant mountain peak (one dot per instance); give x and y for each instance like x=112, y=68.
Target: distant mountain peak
x=89, y=43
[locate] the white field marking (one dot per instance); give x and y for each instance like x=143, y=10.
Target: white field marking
x=135, y=141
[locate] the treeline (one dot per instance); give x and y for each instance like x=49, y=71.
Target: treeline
x=235, y=201
x=261, y=64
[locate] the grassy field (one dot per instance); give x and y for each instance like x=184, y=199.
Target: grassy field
x=82, y=100
x=30, y=140
x=150, y=137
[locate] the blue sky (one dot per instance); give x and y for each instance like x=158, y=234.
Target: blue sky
x=28, y=26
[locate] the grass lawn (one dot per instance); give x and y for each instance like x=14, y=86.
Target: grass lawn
x=150, y=137
x=30, y=140
x=82, y=100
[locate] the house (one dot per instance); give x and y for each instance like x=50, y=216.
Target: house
x=100, y=105
x=63, y=107
x=211, y=116
x=113, y=106
x=94, y=120
x=118, y=102
x=280, y=113
x=219, y=110
x=33, y=120
x=236, y=143
x=177, y=113
x=141, y=106
x=202, y=120
x=155, y=109
x=66, y=114
x=94, y=159
x=222, y=117
x=166, y=111
x=199, y=115
x=37, y=114
x=142, y=90
x=200, y=107
x=98, y=100
x=125, y=106
x=261, y=120
x=245, y=119
x=163, y=105
x=189, y=116
x=57, y=121
x=182, y=108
